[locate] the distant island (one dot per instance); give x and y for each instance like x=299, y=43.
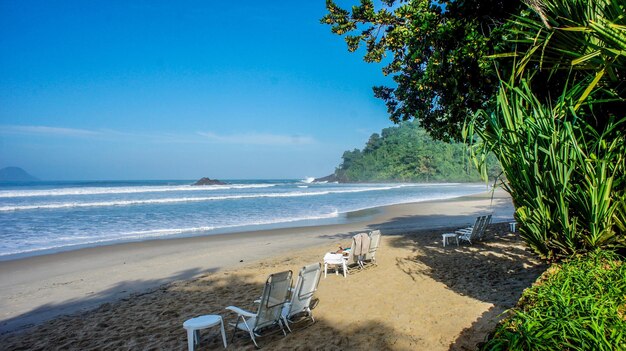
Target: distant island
x=208, y=181
x=16, y=174
x=406, y=153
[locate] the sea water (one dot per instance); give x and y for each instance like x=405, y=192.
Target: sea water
x=43, y=217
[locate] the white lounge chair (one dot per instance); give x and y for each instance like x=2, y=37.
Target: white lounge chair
x=269, y=313
x=485, y=225
x=468, y=234
x=478, y=222
x=302, y=293
x=474, y=233
x=374, y=244
x=481, y=222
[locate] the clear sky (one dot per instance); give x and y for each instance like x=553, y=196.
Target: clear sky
x=179, y=90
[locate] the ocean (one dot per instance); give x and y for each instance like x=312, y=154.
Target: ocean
x=44, y=217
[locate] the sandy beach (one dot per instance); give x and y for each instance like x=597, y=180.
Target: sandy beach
x=137, y=295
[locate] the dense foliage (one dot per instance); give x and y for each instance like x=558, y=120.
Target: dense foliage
x=438, y=55
x=548, y=82
x=564, y=152
x=407, y=153
x=580, y=305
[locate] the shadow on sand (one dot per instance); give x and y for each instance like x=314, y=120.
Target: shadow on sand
x=495, y=270
x=127, y=324
x=120, y=290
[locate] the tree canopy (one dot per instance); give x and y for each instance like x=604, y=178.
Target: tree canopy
x=407, y=153
x=438, y=55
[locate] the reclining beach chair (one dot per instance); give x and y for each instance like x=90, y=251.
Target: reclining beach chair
x=482, y=223
x=269, y=313
x=374, y=243
x=483, y=228
x=477, y=223
x=473, y=233
x=302, y=293
x=359, y=247
x=468, y=234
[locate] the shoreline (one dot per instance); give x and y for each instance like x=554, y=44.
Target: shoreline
x=335, y=218
x=39, y=288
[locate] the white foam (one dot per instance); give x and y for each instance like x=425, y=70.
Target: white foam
x=124, y=190
x=172, y=231
x=72, y=242
x=74, y=204
x=308, y=180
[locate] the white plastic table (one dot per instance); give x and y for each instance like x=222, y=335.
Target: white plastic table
x=446, y=238
x=337, y=260
x=194, y=325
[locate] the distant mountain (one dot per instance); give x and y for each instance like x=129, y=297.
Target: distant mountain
x=15, y=174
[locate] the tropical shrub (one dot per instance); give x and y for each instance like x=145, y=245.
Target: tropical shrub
x=579, y=305
x=565, y=178
x=559, y=129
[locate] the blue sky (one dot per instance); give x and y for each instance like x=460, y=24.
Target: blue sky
x=179, y=90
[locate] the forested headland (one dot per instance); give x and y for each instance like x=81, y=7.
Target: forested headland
x=406, y=153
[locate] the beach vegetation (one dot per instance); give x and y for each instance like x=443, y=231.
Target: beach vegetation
x=539, y=85
x=406, y=153
x=563, y=147
x=576, y=305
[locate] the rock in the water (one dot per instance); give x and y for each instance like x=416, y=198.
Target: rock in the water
x=328, y=179
x=209, y=181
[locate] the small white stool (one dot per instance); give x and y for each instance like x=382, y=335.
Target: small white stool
x=446, y=238
x=337, y=260
x=512, y=226
x=194, y=325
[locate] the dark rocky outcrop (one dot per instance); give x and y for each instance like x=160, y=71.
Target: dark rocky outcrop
x=209, y=181
x=16, y=174
x=328, y=179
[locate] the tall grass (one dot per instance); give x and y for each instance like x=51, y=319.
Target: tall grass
x=579, y=305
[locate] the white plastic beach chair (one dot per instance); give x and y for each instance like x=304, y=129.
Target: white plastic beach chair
x=485, y=225
x=269, y=314
x=475, y=232
x=374, y=244
x=302, y=293
x=478, y=222
x=482, y=223
x=468, y=234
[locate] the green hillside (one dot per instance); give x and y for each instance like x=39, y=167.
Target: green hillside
x=406, y=153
